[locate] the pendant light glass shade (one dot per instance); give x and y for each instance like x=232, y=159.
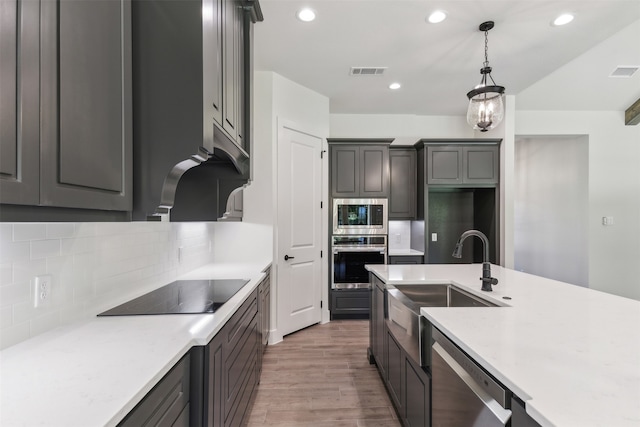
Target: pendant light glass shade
x=486, y=101
x=486, y=107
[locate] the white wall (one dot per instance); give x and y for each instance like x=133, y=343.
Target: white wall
x=279, y=99
x=407, y=129
x=552, y=208
x=614, y=190
x=94, y=267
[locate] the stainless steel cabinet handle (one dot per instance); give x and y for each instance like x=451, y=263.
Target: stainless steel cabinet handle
x=287, y=257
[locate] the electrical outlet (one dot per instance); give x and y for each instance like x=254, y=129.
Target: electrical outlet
x=434, y=237
x=607, y=220
x=398, y=238
x=42, y=287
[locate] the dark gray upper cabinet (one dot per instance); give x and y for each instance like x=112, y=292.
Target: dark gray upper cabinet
x=402, y=183
x=192, y=95
x=463, y=163
x=71, y=76
x=86, y=104
x=20, y=86
x=359, y=167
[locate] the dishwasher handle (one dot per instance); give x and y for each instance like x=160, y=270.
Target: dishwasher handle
x=502, y=414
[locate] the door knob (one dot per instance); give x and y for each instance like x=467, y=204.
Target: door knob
x=287, y=257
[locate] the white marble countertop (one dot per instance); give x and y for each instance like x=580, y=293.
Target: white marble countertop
x=93, y=373
x=571, y=353
x=405, y=252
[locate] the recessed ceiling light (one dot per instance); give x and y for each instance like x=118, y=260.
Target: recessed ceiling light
x=395, y=86
x=306, y=14
x=563, y=19
x=437, y=16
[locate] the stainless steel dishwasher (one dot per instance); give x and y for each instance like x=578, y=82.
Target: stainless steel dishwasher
x=463, y=394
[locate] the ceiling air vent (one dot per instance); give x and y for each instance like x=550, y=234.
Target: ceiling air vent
x=624, y=71
x=367, y=71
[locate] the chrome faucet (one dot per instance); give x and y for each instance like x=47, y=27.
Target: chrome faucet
x=486, y=278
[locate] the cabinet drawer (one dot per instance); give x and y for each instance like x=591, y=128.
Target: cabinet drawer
x=240, y=320
x=166, y=403
x=240, y=368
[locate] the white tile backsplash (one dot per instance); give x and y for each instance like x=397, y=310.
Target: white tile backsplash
x=95, y=266
x=399, y=235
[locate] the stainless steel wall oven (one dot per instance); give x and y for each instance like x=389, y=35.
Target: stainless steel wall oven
x=350, y=254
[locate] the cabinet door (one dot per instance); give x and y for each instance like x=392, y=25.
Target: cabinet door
x=444, y=165
x=395, y=374
x=379, y=331
x=480, y=165
x=212, y=64
x=374, y=171
x=86, y=133
x=232, y=31
x=19, y=103
x=345, y=164
x=167, y=404
x=417, y=395
x=402, y=184
x=215, y=382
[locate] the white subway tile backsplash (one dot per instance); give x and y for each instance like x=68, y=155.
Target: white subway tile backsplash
x=45, y=248
x=60, y=230
x=6, y=274
x=6, y=316
x=95, y=266
x=25, y=270
x=17, y=293
x=29, y=231
x=14, y=251
x=6, y=232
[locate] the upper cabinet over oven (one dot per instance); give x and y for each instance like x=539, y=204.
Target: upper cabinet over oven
x=359, y=167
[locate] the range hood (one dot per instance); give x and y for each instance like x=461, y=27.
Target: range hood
x=189, y=163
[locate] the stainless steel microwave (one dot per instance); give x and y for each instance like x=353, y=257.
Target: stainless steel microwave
x=359, y=216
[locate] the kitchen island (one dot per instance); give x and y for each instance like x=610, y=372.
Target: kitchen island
x=571, y=354
x=94, y=373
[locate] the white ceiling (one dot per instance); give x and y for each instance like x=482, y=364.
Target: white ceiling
x=437, y=64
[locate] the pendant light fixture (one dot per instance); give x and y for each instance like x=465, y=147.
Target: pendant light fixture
x=486, y=104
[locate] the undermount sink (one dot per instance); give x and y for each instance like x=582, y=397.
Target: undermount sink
x=440, y=295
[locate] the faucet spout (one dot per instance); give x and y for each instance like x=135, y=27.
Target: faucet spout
x=487, y=280
x=457, y=252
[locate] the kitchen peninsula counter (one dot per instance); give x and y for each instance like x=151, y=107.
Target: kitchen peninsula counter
x=92, y=373
x=571, y=354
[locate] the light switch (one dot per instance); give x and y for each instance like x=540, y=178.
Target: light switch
x=434, y=237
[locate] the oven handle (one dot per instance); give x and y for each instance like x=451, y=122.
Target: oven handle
x=382, y=250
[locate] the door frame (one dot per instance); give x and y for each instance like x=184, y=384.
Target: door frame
x=275, y=334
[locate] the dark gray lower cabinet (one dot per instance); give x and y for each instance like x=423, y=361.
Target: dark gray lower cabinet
x=350, y=302
x=213, y=385
x=395, y=368
x=408, y=385
x=519, y=417
x=409, y=259
x=168, y=403
x=417, y=393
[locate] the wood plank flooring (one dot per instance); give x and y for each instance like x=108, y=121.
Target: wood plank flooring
x=321, y=377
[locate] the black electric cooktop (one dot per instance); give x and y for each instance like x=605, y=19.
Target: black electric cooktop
x=181, y=297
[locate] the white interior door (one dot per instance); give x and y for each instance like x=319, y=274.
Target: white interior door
x=299, y=229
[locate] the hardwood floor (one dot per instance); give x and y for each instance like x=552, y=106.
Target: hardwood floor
x=321, y=377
